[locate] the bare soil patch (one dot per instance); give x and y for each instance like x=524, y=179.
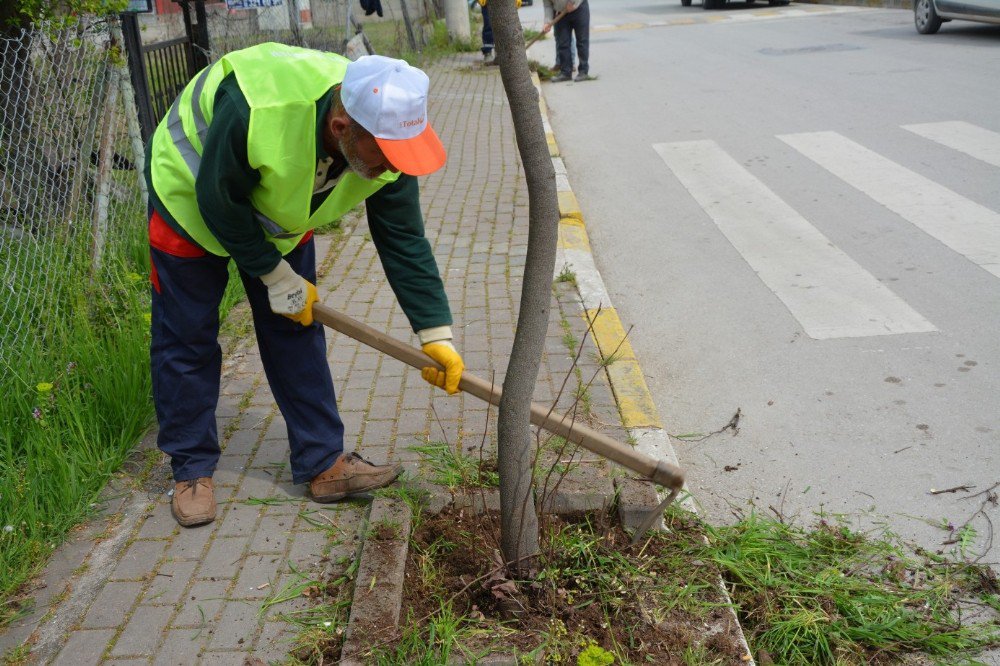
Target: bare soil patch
x=643, y=603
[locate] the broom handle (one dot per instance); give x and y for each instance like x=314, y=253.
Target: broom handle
x=658, y=471
x=539, y=35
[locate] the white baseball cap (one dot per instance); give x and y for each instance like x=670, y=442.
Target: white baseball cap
x=388, y=98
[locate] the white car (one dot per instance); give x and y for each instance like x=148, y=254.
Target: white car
x=928, y=15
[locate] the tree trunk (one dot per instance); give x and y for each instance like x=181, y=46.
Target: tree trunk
x=456, y=18
x=519, y=522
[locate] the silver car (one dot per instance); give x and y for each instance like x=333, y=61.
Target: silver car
x=928, y=15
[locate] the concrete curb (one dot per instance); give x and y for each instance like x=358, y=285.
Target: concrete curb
x=635, y=402
x=874, y=4
x=91, y=555
x=378, y=584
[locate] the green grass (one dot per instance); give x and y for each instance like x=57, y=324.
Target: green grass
x=76, y=401
x=389, y=38
x=567, y=274
x=452, y=468
x=77, y=389
x=436, y=640
x=830, y=595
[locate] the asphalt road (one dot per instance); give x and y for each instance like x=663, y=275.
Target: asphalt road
x=798, y=209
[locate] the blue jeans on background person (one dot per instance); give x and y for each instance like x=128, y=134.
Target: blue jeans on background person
x=186, y=363
x=572, y=45
x=487, y=33
x=576, y=23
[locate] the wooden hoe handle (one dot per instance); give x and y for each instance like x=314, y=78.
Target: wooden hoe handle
x=658, y=471
x=534, y=39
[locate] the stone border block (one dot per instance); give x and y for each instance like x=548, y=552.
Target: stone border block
x=635, y=500
x=378, y=585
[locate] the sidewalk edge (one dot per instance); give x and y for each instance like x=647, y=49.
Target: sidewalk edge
x=635, y=402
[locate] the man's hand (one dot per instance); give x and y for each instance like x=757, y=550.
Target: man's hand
x=570, y=7
x=546, y=28
x=436, y=343
x=290, y=294
x=444, y=353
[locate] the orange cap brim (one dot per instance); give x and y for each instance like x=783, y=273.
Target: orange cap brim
x=419, y=156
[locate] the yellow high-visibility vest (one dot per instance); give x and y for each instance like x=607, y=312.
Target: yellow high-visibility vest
x=282, y=85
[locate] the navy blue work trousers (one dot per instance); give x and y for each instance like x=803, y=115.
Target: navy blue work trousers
x=487, y=32
x=575, y=24
x=186, y=362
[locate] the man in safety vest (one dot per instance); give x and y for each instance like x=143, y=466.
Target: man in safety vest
x=258, y=150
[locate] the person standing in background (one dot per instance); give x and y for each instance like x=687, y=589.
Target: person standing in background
x=574, y=22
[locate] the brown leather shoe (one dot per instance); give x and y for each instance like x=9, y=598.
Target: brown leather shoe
x=194, y=502
x=351, y=474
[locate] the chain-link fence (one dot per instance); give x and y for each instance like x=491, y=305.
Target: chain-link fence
x=318, y=24
x=71, y=188
x=70, y=196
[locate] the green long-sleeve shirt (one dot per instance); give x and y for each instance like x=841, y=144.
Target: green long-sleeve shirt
x=226, y=179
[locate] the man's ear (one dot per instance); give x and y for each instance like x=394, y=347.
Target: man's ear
x=338, y=123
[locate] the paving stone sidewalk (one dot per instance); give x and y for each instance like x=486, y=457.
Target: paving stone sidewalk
x=135, y=588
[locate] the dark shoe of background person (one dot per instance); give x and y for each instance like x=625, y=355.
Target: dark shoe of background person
x=193, y=502
x=560, y=77
x=584, y=77
x=351, y=474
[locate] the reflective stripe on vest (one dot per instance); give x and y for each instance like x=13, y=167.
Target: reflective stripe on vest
x=176, y=126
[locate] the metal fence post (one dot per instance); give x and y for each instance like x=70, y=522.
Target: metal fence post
x=197, y=33
x=132, y=124
x=137, y=73
x=294, y=22
x=409, y=27
x=200, y=39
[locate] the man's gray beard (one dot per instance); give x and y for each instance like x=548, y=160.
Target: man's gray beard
x=349, y=149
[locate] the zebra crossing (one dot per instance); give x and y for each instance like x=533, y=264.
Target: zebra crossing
x=828, y=293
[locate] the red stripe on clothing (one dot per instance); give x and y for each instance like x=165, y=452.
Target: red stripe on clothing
x=154, y=277
x=165, y=239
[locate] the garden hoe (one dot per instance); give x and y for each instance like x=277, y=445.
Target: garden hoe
x=657, y=471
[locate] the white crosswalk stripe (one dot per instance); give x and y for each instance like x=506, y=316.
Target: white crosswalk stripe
x=964, y=137
x=963, y=225
x=829, y=293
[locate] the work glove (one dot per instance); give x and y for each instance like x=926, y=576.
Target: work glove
x=436, y=343
x=290, y=294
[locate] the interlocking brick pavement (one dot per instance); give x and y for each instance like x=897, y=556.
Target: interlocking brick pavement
x=204, y=595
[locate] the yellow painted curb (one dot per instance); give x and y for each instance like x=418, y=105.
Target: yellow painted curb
x=550, y=138
x=627, y=381
x=569, y=206
x=573, y=235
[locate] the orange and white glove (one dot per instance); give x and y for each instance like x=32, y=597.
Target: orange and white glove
x=290, y=294
x=436, y=343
